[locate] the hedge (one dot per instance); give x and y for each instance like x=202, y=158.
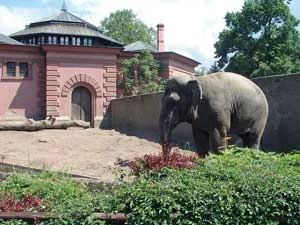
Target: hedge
x=239, y=186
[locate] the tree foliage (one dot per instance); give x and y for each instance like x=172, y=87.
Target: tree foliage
x=260, y=40
x=125, y=27
x=140, y=75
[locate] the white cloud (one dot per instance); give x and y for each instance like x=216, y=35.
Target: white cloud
x=191, y=26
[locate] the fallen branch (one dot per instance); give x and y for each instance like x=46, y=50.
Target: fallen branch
x=46, y=215
x=32, y=125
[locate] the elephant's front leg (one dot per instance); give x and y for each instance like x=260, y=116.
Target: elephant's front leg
x=217, y=140
x=201, y=139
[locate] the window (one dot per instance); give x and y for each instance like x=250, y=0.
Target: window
x=11, y=69
x=39, y=40
x=66, y=40
x=85, y=42
x=78, y=41
x=62, y=40
x=16, y=70
x=73, y=41
x=43, y=40
x=50, y=40
x=24, y=69
x=54, y=40
x=33, y=41
x=90, y=42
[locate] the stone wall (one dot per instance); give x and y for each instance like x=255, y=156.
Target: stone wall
x=283, y=95
x=140, y=114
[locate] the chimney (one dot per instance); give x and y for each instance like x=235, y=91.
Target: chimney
x=160, y=37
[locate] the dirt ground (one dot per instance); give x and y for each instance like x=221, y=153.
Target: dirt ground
x=90, y=152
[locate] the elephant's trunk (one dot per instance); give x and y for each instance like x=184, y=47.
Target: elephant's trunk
x=165, y=131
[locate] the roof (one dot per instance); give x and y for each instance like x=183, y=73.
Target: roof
x=7, y=40
x=64, y=23
x=62, y=16
x=138, y=46
x=64, y=29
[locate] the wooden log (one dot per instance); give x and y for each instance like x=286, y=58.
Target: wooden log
x=32, y=125
x=110, y=216
x=27, y=215
x=45, y=215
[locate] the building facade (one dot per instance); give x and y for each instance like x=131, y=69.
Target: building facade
x=63, y=66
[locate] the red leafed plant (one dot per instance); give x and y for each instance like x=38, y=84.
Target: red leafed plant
x=27, y=203
x=167, y=158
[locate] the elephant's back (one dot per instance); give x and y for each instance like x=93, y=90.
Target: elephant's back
x=236, y=93
x=223, y=83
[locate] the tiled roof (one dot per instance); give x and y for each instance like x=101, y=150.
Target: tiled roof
x=7, y=40
x=64, y=29
x=138, y=46
x=62, y=16
x=63, y=23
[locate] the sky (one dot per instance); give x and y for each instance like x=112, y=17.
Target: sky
x=191, y=26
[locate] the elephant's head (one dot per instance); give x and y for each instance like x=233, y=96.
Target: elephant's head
x=179, y=104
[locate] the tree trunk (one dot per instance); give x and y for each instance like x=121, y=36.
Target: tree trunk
x=32, y=125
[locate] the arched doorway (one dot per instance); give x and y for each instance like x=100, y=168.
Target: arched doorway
x=81, y=104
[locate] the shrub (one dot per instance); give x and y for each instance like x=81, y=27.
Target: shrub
x=28, y=202
x=60, y=193
x=156, y=163
x=48, y=192
x=240, y=186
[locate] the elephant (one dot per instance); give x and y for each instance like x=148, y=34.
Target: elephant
x=216, y=105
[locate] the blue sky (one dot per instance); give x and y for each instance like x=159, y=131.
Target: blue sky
x=191, y=26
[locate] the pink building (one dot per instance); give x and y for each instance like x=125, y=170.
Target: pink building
x=65, y=67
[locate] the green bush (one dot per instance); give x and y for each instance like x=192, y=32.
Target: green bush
x=60, y=194
x=240, y=186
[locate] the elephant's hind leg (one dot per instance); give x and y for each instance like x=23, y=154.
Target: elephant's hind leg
x=251, y=140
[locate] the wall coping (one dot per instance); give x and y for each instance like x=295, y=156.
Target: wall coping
x=276, y=76
x=136, y=96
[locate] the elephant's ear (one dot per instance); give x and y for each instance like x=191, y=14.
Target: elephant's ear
x=194, y=95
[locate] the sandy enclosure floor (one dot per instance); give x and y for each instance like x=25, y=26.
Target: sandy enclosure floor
x=90, y=152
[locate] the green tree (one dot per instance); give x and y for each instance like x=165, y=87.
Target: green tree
x=140, y=75
x=200, y=71
x=125, y=27
x=260, y=40
x=214, y=68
